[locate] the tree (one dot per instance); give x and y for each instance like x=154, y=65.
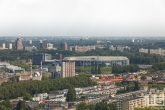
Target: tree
x=99, y=70
x=147, y=108
x=112, y=107
x=131, y=86
x=5, y=105
x=20, y=105
x=10, y=90
x=96, y=70
x=137, y=86
x=71, y=95
x=101, y=106
x=103, y=65
x=27, y=97
x=118, y=84
x=82, y=106
x=91, y=107
x=143, y=77
x=92, y=70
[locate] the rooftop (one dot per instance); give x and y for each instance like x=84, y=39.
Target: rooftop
x=94, y=58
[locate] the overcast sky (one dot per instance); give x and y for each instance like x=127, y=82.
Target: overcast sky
x=82, y=17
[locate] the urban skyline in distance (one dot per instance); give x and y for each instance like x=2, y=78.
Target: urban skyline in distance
x=82, y=18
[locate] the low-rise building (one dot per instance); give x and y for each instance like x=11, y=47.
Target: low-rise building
x=144, y=50
x=152, y=51
x=40, y=96
x=30, y=48
x=119, y=48
x=82, y=48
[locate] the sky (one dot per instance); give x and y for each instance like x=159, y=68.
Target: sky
x=82, y=17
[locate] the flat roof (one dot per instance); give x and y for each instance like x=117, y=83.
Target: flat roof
x=95, y=58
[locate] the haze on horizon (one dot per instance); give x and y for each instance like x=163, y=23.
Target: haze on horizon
x=82, y=17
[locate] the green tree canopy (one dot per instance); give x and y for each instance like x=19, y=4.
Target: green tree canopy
x=27, y=96
x=143, y=77
x=71, y=95
x=20, y=105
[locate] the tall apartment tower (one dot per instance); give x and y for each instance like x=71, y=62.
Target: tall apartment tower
x=3, y=46
x=68, y=69
x=40, y=41
x=64, y=46
x=18, y=44
x=30, y=41
x=10, y=46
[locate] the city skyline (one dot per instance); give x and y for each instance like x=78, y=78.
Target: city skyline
x=82, y=18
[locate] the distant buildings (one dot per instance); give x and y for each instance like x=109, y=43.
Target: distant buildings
x=82, y=48
x=30, y=41
x=45, y=58
x=55, y=69
x=153, y=51
x=18, y=44
x=64, y=46
x=43, y=45
x=10, y=46
x=30, y=48
x=133, y=40
x=47, y=46
x=68, y=69
x=3, y=46
x=144, y=50
x=119, y=48
x=58, y=56
x=40, y=41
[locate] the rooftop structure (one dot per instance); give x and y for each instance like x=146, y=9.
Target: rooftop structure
x=18, y=44
x=98, y=60
x=14, y=69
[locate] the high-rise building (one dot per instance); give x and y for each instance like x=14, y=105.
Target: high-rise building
x=10, y=46
x=18, y=44
x=40, y=41
x=58, y=56
x=30, y=41
x=133, y=40
x=68, y=69
x=64, y=46
x=43, y=45
x=3, y=46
